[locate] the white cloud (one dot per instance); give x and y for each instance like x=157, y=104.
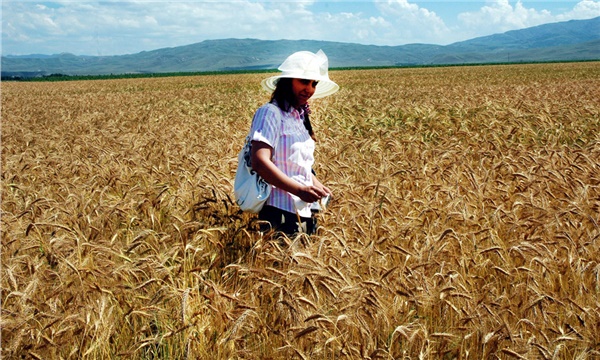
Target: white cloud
x=500, y=16
x=110, y=27
x=585, y=9
x=411, y=23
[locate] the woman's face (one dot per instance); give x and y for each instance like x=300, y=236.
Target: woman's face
x=303, y=89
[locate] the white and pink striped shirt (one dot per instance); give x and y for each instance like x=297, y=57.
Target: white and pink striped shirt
x=293, y=151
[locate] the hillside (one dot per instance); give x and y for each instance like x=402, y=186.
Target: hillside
x=564, y=41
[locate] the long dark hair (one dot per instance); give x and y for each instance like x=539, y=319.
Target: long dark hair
x=284, y=97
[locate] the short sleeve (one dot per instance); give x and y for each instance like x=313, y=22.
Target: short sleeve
x=266, y=125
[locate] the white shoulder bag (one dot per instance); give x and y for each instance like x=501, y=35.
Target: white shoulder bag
x=250, y=190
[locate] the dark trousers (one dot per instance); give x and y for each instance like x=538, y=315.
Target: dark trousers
x=286, y=222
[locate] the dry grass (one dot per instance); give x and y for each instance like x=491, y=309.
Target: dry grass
x=464, y=223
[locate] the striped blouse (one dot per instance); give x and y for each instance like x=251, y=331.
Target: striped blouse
x=293, y=151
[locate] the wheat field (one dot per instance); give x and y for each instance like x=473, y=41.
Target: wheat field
x=464, y=222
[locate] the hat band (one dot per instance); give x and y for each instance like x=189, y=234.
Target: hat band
x=309, y=75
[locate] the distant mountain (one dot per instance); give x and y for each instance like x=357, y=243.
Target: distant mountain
x=564, y=41
x=31, y=56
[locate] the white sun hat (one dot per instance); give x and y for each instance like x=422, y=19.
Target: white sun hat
x=305, y=65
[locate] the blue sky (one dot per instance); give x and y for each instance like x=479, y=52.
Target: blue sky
x=115, y=27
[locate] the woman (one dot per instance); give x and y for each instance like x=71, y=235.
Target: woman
x=282, y=144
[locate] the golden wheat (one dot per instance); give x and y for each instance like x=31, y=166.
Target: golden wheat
x=464, y=221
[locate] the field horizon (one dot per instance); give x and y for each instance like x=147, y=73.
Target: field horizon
x=463, y=225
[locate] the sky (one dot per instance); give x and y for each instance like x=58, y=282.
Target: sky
x=116, y=27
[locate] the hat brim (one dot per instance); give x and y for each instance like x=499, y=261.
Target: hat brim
x=324, y=87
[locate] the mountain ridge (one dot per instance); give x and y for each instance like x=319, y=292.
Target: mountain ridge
x=574, y=40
